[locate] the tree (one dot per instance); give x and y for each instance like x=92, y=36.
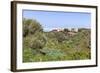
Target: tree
x=60, y=36
x=34, y=37
x=30, y=27
x=85, y=35
x=37, y=42
x=66, y=32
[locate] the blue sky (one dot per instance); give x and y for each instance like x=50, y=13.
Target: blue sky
x=50, y=19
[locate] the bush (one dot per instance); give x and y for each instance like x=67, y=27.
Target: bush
x=60, y=36
x=30, y=27
x=34, y=37
x=38, y=41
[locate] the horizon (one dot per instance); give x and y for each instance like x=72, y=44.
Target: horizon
x=50, y=29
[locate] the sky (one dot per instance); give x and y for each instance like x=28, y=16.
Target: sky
x=57, y=20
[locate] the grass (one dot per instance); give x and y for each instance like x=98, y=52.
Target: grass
x=72, y=49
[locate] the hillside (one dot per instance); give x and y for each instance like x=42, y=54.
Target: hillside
x=39, y=45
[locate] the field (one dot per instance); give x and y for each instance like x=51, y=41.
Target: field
x=55, y=45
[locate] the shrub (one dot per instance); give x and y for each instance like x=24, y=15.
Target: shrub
x=60, y=36
x=31, y=26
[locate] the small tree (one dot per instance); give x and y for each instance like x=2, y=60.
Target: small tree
x=66, y=30
x=60, y=36
x=34, y=37
x=30, y=27
x=38, y=41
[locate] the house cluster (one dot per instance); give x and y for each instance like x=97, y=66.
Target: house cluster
x=70, y=31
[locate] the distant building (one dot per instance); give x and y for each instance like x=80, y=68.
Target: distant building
x=74, y=29
x=71, y=30
x=58, y=30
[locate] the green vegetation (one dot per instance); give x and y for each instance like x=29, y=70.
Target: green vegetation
x=39, y=45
